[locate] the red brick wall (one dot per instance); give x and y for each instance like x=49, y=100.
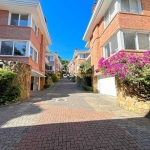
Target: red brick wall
x=24, y=33
x=145, y=6
x=134, y=21
x=14, y=32
x=4, y=14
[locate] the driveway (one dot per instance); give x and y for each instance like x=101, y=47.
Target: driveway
x=65, y=117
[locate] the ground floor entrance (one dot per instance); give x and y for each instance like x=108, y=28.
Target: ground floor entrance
x=37, y=81
x=106, y=85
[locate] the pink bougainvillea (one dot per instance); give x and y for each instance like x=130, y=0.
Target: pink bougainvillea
x=124, y=65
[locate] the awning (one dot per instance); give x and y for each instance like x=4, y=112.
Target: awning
x=37, y=74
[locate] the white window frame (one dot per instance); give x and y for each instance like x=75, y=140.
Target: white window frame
x=9, y=19
x=120, y=38
x=108, y=12
x=37, y=31
x=10, y=40
x=117, y=34
x=117, y=4
x=33, y=47
x=81, y=54
x=137, y=39
x=139, y=6
x=49, y=59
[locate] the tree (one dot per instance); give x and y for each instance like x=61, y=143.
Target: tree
x=64, y=64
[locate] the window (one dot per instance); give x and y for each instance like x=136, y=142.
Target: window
x=143, y=40
x=129, y=41
x=33, y=54
x=81, y=56
x=50, y=68
x=24, y=20
x=34, y=27
x=111, y=47
x=51, y=58
x=13, y=48
x=14, y=19
x=137, y=41
x=20, y=48
x=130, y=6
x=19, y=20
x=6, y=48
x=107, y=51
x=110, y=14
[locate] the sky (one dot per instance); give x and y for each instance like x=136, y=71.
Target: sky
x=67, y=22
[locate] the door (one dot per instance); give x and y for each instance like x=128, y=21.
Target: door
x=107, y=86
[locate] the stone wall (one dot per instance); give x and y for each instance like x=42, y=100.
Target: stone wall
x=24, y=76
x=132, y=103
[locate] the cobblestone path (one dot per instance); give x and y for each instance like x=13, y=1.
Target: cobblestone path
x=65, y=117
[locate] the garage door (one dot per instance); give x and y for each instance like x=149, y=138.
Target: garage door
x=107, y=86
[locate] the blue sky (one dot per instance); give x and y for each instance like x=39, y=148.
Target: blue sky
x=67, y=21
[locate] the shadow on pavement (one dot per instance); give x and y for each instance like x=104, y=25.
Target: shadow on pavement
x=121, y=134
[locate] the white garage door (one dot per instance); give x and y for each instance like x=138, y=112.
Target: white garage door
x=107, y=86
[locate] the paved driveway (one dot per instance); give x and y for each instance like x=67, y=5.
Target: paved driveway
x=67, y=118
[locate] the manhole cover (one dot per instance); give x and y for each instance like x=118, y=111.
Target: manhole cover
x=61, y=100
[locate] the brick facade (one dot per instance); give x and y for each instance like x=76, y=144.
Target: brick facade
x=121, y=20
x=23, y=33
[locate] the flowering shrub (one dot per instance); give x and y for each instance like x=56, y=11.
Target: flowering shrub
x=132, y=69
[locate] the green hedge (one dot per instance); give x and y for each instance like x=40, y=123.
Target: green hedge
x=8, y=92
x=54, y=78
x=47, y=86
x=87, y=88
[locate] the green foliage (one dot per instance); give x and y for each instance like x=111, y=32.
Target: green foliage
x=54, y=78
x=47, y=86
x=9, y=92
x=10, y=95
x=72, y=79
x=64, y=64
x=85, y=74
x=87, y=88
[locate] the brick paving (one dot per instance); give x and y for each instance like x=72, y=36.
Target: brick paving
x=65, y=117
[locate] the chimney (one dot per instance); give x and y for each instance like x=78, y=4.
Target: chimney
x=94, y=6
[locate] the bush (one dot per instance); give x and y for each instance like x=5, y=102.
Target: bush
x=54, y=78
x=47, y=86
x=9, y=92
x=10, y=95
x=131, y=70
x=87, y=88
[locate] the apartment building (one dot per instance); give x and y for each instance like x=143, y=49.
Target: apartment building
x=24, y=36
x=54, y=65
x=78, y=58
x=116, y=25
